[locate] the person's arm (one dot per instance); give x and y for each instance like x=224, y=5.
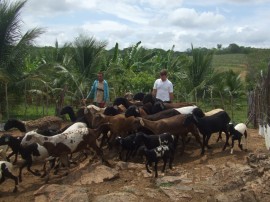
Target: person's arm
x=171, y=92
x=91, y=93
x=154, y=92
x=171, y=96
x=106, y=92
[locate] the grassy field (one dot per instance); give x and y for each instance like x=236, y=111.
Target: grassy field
x=236, y=62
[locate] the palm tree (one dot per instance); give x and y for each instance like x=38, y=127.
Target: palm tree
x=131, y=69
x=198, y=71
x=234, y=88
x=14, y=46
x=88, y=54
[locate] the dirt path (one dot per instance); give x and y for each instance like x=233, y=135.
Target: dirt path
x=190, y=164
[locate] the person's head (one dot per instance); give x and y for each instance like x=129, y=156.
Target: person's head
x=163, y=74
x=100, y=76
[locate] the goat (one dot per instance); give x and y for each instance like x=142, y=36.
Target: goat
x=13, y=143
x=7, y=171
x=208, y=125
x=125, y=102
x=47, y=122
x=153, y=141
x=67, y=142
x=127, y=144
x=174, y=125
x=139, y=112
x=139, y=96
x=153, y=155
x=129, y=96
x=78, y=117
x=119, y=124
x=236, y=132
x=32, y=152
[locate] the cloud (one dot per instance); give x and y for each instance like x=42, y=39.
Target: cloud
x=157, y=23
x=189, y=18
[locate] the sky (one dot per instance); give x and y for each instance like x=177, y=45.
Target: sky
x=156, y=23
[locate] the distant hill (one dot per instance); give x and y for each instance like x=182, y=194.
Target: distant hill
x=250, y=63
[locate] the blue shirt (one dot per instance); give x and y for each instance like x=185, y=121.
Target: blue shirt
x=93, y=92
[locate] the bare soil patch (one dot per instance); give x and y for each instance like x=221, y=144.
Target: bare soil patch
x=191, y=164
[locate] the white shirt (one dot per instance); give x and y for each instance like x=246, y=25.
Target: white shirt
x=163, y=89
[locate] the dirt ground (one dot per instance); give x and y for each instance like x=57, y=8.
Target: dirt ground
x=190, y=161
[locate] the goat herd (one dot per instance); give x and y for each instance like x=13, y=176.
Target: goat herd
x=146, y=126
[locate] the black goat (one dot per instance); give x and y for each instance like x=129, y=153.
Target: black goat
x=237, y=132
x=111, y=111
x=139, y=96
x=78, y=117
x=122, y=101
x=153, y=141
x=154, y=155
x=208, y=125
x=13, y=143
x=28, y=153
x=6, y=171
x=127, y=143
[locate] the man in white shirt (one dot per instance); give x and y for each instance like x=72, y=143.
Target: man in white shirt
x=163, y=88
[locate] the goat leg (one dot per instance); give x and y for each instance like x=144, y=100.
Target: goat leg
x=11, y=154
x=28, y=162
x=240, y=145
x=147, y=166
x=120, y=154
x=156, y=173
x=207, y=141
x=203, y=149
x=219, y=136
x=127, y=155
x=165, y=158
x=227, y=141
x=36, y=173
x=232, y=146
x=8, y=174
x=100, y=153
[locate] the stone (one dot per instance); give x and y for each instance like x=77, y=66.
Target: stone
x=54, y=192
x=116, y=197
x=121, y=165
x=169, y=179
x=94, y=174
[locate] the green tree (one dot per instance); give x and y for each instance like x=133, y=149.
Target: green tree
x=14, y=46
x=199, y=72
x=234, y=88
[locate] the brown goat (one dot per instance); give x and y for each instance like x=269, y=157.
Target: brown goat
x=119, y=124
x=173, y=125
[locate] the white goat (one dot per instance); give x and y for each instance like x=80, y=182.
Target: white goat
x=67, y=142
